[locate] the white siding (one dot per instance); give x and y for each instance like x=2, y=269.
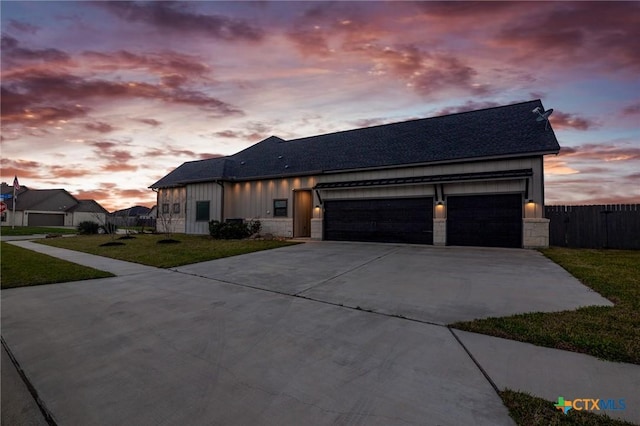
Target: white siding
x=211, y=192
x=532, y=210
x=254, y=200
x=169, y=221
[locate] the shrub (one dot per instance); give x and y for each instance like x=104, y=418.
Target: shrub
x=109, y=228
x=233, y=230
x=254, y=227
x=88, y=228
x=214, y=228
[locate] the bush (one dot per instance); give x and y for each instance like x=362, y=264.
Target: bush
x=88, y=228
x=214, y=228
x=233, y=230
x=254, y=227
x=109, y=228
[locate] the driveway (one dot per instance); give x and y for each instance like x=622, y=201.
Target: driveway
x=439, y=285
x=263, y=338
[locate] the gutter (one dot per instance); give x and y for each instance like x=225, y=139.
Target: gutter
x=221, y=183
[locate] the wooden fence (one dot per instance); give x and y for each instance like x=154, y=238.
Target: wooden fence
x=615, y=226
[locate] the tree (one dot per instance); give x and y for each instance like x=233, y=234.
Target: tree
x=166, y=199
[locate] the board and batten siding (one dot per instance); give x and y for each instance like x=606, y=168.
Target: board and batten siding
x=171, y=222
x=532, y=210
x=209, y=191
x=254, y=199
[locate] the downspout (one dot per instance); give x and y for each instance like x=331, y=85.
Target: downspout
x=157, y=207
x=221, y=183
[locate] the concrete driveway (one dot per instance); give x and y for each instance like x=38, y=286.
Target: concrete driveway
x=439, y=285
x=262, y=338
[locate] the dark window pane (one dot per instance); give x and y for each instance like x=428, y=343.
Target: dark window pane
x=280, y=208
x=202, y=211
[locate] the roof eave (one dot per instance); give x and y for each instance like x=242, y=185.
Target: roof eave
x=450, y=161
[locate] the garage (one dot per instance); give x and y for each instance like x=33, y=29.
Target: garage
x=485, y=220
x=389, y=220
x=46, y=219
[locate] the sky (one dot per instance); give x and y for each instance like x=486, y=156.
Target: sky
x=104, y=98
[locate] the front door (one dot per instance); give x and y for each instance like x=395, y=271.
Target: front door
x=302, y=212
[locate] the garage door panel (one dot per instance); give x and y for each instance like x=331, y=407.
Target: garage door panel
x=45, y=219
x=485, y=220
x=397, y=220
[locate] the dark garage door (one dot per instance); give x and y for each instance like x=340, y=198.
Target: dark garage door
x=485, y=220
x=45, y=219
x=395, y=220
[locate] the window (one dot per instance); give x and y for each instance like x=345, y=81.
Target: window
x=280, y=208
x=165, y=208
x=202, y=211
x=176, y=207
x=4, y=216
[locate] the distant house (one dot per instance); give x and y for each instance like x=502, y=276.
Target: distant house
x=472, y=178
x=49, y=207
x=132, y=216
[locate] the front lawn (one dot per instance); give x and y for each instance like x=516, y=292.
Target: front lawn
x=32, y=230
x=145, y=249
x=21, y=267
x=610, y=333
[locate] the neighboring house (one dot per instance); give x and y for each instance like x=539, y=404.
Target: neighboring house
x=132, y=216
x=472, y=178
x=49, y=207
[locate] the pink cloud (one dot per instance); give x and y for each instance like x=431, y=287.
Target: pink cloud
x=176, y=17
x=598, y=33
x=172, y=66
x=23, y=27
x=562, y=120
x=632, y=109
x=99, y=127
x=150, y=121
x=601, y=152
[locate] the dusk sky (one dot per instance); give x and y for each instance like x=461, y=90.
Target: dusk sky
x=104, y=98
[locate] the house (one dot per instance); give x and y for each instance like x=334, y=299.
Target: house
x=132, y=216
x=49, y=207
x=472, y=178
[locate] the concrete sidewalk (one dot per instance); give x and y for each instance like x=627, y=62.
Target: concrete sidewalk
x=550, y=373
x=154, y=345
x=18, y=406
x=116, y=267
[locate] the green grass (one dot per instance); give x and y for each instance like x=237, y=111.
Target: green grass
x=31, y=230
x=144, y=248
x=529, y=410
x=610, y=333
x=21, y=267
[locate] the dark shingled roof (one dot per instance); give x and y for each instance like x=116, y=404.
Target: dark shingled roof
x=510, y=130
x=88, y=206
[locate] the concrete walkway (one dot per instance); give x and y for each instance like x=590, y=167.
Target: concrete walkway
x=156, y=346
x=116, y=267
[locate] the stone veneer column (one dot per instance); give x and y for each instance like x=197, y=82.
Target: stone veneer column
x=535, y=233
x=439, y=232
x=316, y=228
